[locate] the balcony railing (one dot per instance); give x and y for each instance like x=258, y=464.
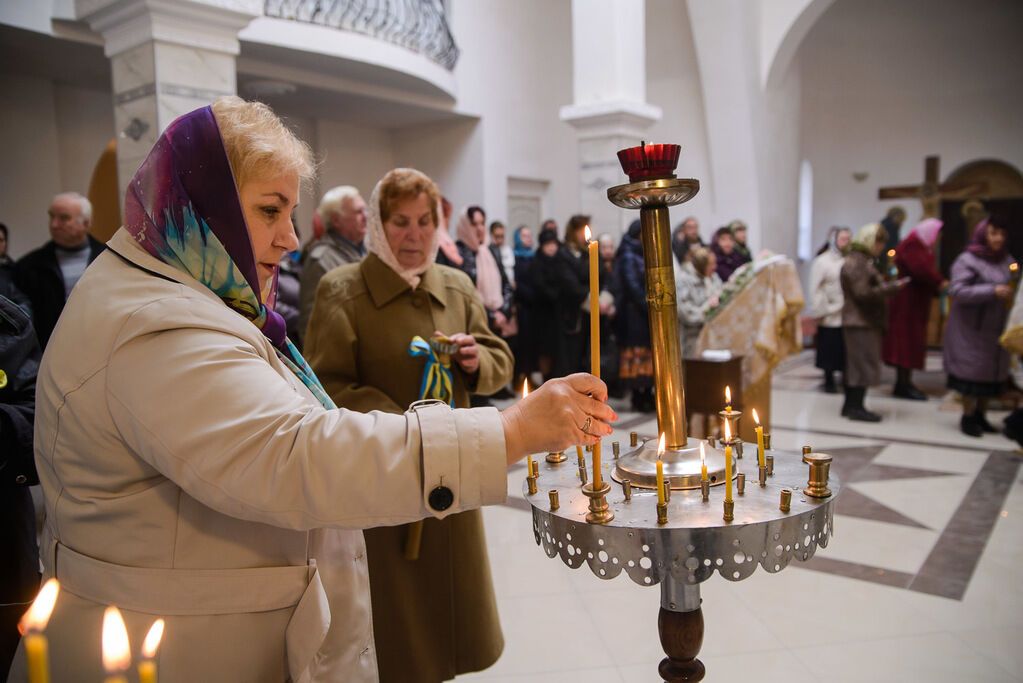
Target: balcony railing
x=419, y=25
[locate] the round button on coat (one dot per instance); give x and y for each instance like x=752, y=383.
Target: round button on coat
x=441, y=498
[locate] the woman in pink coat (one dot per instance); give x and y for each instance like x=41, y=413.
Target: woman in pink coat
x=905, y=342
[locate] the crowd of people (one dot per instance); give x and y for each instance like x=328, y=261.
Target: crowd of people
x=872, y=295
x=534, y=286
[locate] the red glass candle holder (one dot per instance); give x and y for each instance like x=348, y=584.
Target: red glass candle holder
x=649, y=162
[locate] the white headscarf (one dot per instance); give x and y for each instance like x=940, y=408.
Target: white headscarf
x=377, y=241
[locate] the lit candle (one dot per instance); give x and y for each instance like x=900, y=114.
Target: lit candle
x=760, y=438
x=147, y=667
x=116, y=648
x=594, y=251
x=529, y=457
x=32, y=625
x=660, y=471
x=728, y=463
x=593, y=247
x=703, y=463
x=728, y=398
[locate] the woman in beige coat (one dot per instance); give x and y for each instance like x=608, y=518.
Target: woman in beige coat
x=434, y=608
x=191, y=464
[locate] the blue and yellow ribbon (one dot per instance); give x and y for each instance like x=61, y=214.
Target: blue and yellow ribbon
x=437, y=380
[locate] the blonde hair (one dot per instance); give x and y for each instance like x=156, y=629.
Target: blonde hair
x=257, y=142
x=406, y=183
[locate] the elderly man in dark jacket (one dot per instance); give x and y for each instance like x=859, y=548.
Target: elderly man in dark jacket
x=19, y=568
x=48, y=274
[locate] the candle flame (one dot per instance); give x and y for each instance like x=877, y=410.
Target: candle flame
x=728, y=395
x=756, y=418
x=1014, y=267
x=660, y=446
x=525, y=388
x=728, y=431
x=116, y=648
x=891, y=253
x=152, y=641
x=38, y=614
x=703, y=455
x=587, y=234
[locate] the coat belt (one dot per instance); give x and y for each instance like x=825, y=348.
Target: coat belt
x=182, y=592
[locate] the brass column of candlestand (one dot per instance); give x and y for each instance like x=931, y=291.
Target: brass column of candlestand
x=653, y=188
x=664, y=331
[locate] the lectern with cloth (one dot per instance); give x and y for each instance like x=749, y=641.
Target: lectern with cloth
x=758, y=319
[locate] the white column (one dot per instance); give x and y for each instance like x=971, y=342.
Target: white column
x=609, y=111
x=167, y=57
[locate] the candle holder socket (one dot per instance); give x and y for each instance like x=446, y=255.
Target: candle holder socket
x=555, y=501
x=616, y=449
x=582, y=475
x=762, y=475
x=770, y=465
x=556, y=457
x=785, y=502
x=729, y=514
x=705, y=490
x=627, y=489
x=767, y=441
x=662, y=513
x=633, y=439
x=820, y=468
x=740, y=483
x=600, y=512
x=531, y=483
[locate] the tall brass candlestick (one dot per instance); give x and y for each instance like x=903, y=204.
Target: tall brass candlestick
x=663, y=315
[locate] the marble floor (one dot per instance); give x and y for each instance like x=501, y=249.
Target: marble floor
x=919, y=582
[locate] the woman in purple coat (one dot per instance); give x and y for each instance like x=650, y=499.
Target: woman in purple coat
x=977, y=365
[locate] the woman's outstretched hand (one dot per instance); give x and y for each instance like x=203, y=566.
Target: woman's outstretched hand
x=552, y=418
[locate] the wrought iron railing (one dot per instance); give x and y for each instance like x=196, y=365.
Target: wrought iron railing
x=419, y=25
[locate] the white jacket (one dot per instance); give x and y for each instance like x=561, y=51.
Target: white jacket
x=826, y=289
x=189, y=474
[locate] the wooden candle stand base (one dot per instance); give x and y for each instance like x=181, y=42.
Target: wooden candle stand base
x=681, y=637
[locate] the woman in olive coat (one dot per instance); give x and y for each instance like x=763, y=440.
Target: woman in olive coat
x=434, y=616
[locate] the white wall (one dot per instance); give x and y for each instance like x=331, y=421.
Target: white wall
x=515, y=72
x=886, y=84
x=52, y=135
x=673, y=84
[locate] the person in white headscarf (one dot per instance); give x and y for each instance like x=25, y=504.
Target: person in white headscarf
x=826, y=305
x=434, y=609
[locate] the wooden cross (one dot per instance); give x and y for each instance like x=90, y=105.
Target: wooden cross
x=931, y=192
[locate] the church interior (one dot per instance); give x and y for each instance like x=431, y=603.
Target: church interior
x=814, y=131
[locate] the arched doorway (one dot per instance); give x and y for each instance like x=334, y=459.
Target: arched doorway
x=1000, y=189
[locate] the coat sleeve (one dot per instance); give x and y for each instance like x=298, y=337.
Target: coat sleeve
x=215, y=417
x=496, y=363
x=332, y=350
x=821, y=305
x=19, y=354
x=632, y=281
x=692, y=301
x=966, y=285
x=858, y=285
x=918, y=263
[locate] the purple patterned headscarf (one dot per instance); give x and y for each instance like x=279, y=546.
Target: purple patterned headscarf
x=182, y=207
x=979, y=246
